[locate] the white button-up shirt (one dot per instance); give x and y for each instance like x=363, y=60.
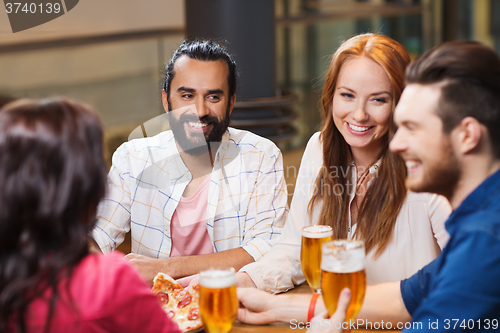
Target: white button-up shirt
x=247, y=196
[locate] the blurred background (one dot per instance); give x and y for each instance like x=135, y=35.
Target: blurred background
x=111, y=54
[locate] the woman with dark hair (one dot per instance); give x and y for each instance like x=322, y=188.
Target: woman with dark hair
x=52, y=177
x=351, y=181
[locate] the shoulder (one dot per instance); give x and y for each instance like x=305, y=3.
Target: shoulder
x=113, y=264
x=484, y=223
x=100, y=279
x=435, y=207
x=315, y=142
x=110, y=275
x=479, y=212
x=108, y=287
x=313, y=154
x=314, y=148
x=426, y=198
x=249, y=141
x=138, y=150
x=161, y=140
x=475, y=243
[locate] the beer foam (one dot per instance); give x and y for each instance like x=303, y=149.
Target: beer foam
x=317, y=231
x=342, y=256
x=217, y=278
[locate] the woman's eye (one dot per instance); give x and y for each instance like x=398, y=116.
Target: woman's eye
x=347, y=95
x=380, y=100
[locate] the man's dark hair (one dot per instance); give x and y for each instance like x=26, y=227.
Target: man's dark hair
x=204, y=50
x=470, y=73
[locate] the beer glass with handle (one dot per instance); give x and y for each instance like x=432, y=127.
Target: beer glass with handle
x=218, y=300
x=313, y=237
x=343, y=266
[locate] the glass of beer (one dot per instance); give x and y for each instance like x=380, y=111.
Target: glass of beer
x=343, y=266
x=218, y=300
x=313, y=237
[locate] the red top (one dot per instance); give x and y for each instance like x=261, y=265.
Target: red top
x=107, y=296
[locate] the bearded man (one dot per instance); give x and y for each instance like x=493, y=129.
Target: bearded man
x=202, y=194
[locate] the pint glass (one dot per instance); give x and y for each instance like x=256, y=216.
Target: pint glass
x=218, y=301
x=343, y=266
x=313, y=237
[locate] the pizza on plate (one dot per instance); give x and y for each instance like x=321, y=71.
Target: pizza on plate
x=180, y=304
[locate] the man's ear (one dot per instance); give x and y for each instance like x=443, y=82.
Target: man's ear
x=231, y=105
x=470, y=132
x=164, y=100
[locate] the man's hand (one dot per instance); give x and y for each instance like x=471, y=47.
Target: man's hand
x=179, y=267
x=189, y=281
x=146, y=266
x=256, y=306
x=321, y=324
x=93, y=247
x=384, y=302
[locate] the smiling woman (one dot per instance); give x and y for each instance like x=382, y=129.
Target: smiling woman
x=362, y=106
x=363, y=85
x=351, y=181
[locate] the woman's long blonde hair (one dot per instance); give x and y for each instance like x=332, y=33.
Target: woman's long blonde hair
x=386, y=194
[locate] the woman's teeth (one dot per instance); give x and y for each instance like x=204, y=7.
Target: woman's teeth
x=358, y=128
x=410, y=164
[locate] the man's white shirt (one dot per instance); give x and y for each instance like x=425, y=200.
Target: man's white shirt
x=247, y=196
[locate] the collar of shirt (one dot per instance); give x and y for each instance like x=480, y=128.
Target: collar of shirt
x=480, y=199
x=354, y=176
x=178, y=169
x=352, y=189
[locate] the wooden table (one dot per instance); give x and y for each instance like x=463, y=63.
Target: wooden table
x=287, y=328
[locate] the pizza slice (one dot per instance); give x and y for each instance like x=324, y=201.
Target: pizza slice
x=181, y=305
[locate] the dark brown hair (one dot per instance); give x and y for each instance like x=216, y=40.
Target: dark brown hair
x=52, y=177
x=470, y=72
x=385, y=196
x=203, y=50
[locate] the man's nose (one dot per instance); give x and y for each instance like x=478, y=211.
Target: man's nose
x=201, y=108
x=398, y=142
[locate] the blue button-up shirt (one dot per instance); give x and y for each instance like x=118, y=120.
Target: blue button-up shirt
x=460, y=290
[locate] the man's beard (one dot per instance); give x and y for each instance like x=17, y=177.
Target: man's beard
x=442, y=176
x=198, y=143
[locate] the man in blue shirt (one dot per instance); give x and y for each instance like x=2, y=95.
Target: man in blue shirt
x=449, y=137
x=448, y=121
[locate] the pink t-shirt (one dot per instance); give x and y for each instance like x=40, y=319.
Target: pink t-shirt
x=107, y=295
x=188, y=226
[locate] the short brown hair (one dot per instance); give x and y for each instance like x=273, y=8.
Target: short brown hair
x=470, y=73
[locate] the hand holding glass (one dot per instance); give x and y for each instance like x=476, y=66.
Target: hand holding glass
x=343, y=266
